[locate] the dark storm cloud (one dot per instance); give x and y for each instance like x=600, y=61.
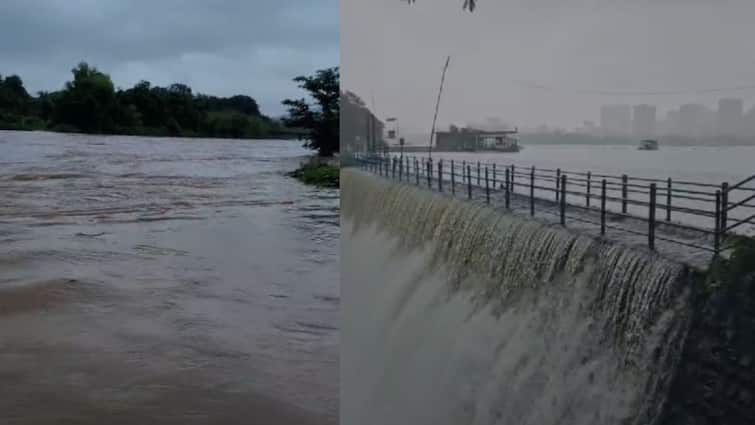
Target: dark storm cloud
x=220, y=46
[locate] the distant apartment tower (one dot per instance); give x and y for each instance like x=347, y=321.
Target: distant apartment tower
x=671, y=124
x=730, y=117
x=643, y=121
x=692, y=119
x=615, y=120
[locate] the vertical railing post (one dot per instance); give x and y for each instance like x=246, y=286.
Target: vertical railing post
x=487, y=186
x=440, y=175
x=478, y=174
x=469, y=181
x=393, y=168
x=532, y=191
x=513, y=173
x=603, y=207
x=401, y=169
x=563, y=200
x=724, y=207
x=508, y=190
x=558, y=182
x=668, y=199
x=416, y=170
x=453, y=178
x=494, y=176
x=624, y=180
x=717, y=227
x=429, y=172
x=589, y=187
x=651, y=217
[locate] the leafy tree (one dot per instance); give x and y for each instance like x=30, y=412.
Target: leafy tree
x=320, y=119
x=87, y=103
x=13, y=96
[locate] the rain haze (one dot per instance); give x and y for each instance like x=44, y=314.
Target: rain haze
x=221, y=48
x=552, y=62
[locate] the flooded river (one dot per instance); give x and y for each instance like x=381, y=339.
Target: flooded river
x=164, y=281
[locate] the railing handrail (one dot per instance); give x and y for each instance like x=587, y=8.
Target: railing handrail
x=622, y=192
x=743, y=182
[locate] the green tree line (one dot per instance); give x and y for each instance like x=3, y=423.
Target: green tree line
x=90, y=103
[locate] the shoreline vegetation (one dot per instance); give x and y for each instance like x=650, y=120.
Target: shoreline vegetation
x=318, y=171
x=90, y=104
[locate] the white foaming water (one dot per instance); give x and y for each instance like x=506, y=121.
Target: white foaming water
x=454, y=313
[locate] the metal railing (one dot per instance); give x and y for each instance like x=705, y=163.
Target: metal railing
x=703, y=209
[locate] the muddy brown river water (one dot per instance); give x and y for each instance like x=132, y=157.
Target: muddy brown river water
x=165, y=281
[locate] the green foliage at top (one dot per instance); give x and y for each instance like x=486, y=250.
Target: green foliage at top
x=90, y=103
x=321, y=117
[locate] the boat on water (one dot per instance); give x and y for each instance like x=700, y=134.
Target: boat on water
x=648, y=145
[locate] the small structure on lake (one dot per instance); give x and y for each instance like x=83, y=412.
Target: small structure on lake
x=648, y=145
x=472, y=140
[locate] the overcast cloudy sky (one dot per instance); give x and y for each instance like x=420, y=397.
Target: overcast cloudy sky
x=396, y=51
x=220, y=47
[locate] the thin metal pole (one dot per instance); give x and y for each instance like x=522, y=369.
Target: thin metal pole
x=724, y=207
x=437, y=105
x=508, y=190
x=440, y=175
x=487, y=186
x=589, y=186
x=453, y=178
x=651, y=218
x=563, y=200
x=624, y=180
x=532, y=191
x=494, y=176
x=478, y=174
x=401, y=169
x=603, y=207
x=558, y=182
x=469, y=182
x=668, y=199
x=717, y=231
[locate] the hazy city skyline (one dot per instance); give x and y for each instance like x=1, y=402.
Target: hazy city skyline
x=543, y=62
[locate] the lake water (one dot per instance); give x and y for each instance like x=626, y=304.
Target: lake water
x=703, y=164
x=147, y=280
x=699, y=164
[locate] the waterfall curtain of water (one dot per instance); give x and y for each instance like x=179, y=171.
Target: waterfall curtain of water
x=455, y=312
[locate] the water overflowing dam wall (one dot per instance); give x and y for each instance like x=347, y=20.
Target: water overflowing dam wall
x=456, y=313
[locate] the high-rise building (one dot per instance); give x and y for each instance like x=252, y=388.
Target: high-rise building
x=643, y=121
x=692, y=120
x=615, y=120
x=730, y=117
x=671, y=123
